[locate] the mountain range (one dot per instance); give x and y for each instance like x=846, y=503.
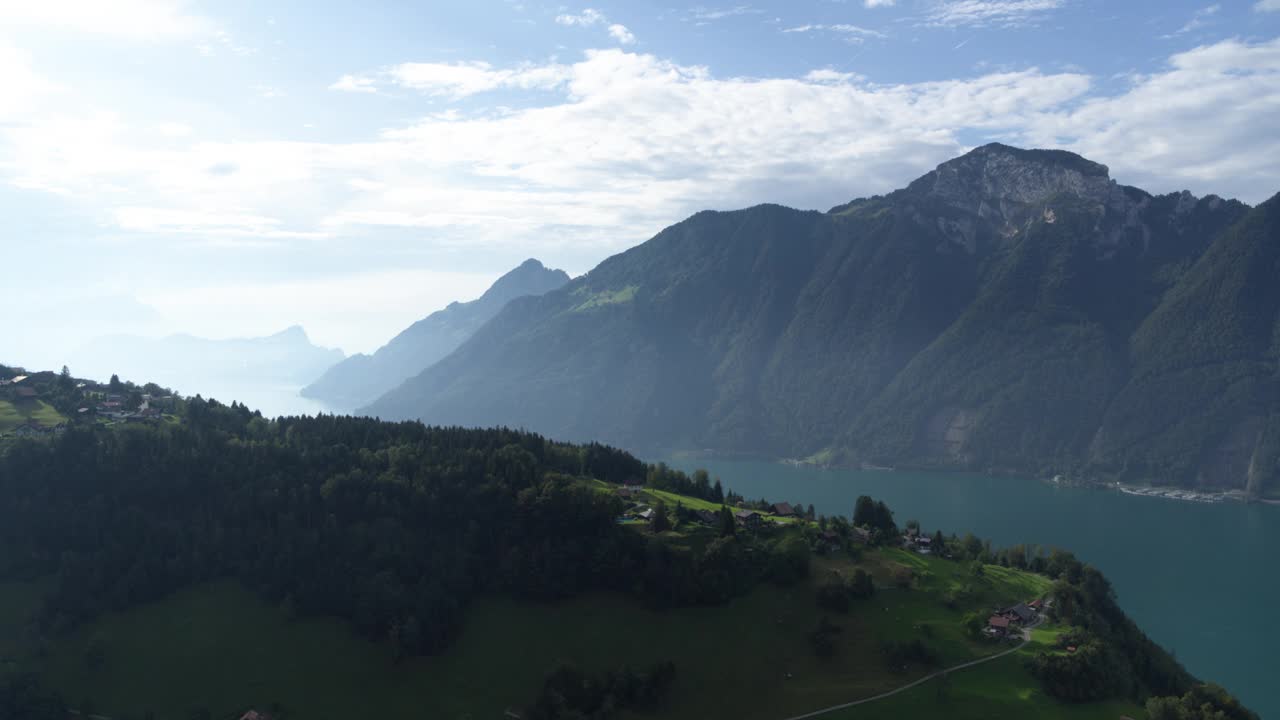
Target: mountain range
x=191, y=363
x=1013, y=310
x=361, y=379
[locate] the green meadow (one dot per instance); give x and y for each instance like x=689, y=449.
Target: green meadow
x=218, y=647
x=14, y=414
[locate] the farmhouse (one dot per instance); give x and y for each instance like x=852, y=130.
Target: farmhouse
x=749, y=519
x=784, y=510
x=1020, y=613
x=998, y=625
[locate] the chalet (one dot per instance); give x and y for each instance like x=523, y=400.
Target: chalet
x=18, y=379
x=1021, y=614
x=924, y=544
x=646, y=514
x=998, y=625
x=784, y=510
x=25, y=393
x=626, y=493
x=1036, y=605
x=749, y=519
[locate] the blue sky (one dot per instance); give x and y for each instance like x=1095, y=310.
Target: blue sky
x=232, y=168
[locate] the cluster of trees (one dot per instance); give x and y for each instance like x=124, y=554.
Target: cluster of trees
x=571, y=694
x=875, y=516
x=699, y=485
x=837, y=594
x=393, y=527
x=1115, y=659
x=1202, y=702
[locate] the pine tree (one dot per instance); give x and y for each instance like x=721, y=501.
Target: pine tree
x=728, y=526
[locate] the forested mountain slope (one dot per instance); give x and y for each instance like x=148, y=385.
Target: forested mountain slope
x=1003, y=311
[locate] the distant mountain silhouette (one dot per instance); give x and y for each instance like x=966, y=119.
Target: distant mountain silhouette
x=186, y=362
x=1013, y=310
x=361, y=379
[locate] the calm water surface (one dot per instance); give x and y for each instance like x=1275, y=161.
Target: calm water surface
x=1202, y=580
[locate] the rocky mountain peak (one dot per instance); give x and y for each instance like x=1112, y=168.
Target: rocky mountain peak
x=1005, y=184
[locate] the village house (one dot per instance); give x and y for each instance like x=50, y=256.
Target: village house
x=749, y=519
x=998, y=626
x=626, y=493
x=924, y=545
x=784, y=510
x=1021, y=614
x=25, y=393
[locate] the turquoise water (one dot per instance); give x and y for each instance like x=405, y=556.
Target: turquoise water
x=1202, y=580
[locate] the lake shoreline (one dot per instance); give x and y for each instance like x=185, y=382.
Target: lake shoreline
x=1160, y=492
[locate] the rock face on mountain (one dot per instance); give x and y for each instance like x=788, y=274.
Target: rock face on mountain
x=1013, y=309
x=361, y=379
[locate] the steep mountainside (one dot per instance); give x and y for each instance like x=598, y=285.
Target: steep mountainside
x=1014, y=309
x=361, y=379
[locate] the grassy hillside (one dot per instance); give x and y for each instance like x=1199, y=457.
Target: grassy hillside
x=14, y=414
x=220, y=648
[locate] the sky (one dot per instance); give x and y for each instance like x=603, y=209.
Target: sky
x=232, y=168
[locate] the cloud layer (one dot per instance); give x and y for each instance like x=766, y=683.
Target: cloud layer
x=606, y=150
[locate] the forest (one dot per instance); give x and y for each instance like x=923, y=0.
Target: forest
x=397, y=527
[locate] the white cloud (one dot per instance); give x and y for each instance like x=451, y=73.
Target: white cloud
x=878, y=3
x=457, y=80
x=621, y=34
x=703, y=14
x=133, y=19
x=1206, y=122
x=355, y=83
x=586, y=18
x=1199, y=19
x=981, y=13
x=618, y=145
x=22, y=88
x=591, y=17
x=1267, y=6
x=842, y=28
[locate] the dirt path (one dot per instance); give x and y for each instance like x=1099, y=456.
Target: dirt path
x=1026, y=638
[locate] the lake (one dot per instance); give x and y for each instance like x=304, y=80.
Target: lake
x=271, y=399
x=1202, y=580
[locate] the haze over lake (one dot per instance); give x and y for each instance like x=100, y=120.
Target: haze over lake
x=1190, y=574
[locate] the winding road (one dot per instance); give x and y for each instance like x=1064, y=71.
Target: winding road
x=1026, y=638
